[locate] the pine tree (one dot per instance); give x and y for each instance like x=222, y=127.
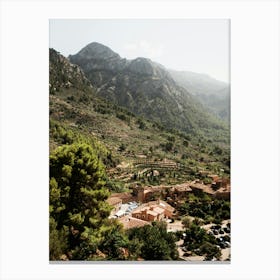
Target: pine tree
x=78, y=198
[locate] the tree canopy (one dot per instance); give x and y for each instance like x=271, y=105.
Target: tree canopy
x=77, y=200
x=154, y=242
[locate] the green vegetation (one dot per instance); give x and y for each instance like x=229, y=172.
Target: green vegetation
x=61, y=134
x=153, y=242
x=206, y=208
x=79, y=224
x=78, y=209
x=196, y=239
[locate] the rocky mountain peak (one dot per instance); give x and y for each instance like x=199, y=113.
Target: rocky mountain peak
x=96, y=50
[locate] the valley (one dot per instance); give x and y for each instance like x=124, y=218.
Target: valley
x=155, y=145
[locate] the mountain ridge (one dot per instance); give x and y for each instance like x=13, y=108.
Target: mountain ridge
x=212, y=93
x=146, y=88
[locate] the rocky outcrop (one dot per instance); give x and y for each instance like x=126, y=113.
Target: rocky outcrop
x=63, y=74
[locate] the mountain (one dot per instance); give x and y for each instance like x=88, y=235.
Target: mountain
x=145, y=88
x=78, y=114
x=213, y=94
x=63, y=74
x=198, y=83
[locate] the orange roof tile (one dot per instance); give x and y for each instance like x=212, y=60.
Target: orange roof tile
x=130, y=222
x=114, y=200
x=153, y=213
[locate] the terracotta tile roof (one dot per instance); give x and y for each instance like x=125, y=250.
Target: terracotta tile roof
x=158, y=210
x=165, y=205
x=153, y=213
x=202, y=187
x=136, y=211
x=114, y=200
x=130, y=222
x=152, y=205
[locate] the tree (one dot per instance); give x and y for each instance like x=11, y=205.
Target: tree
x=194, y=237
x=78, y=198
x=156, y=242
x=57, y=240
x=210, y=251
x=115, y=244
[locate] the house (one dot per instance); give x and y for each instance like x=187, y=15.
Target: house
x=148, y=193
x=149, y=214
x=181, y=191
x=200, y=188
x=153, y=211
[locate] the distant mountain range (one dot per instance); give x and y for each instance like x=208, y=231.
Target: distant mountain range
x=148, y=89
x=213, y=94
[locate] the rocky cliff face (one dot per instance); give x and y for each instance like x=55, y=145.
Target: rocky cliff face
x=64, y=74
x=144, y=87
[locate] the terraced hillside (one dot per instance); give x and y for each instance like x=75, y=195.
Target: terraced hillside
x=78, y=114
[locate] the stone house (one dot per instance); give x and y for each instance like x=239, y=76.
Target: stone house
x=153, y=211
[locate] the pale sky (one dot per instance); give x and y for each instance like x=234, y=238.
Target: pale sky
x=198, y=45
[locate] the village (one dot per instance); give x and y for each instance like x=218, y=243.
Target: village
x=147, y=204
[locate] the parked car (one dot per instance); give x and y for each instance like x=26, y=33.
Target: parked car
x=227, y=230
x=217, y=227
x=227, y=243
x=226, y=238
x=215, y=232
x=221, y=231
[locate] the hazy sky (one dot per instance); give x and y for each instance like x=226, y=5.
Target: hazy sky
x=198, y=45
